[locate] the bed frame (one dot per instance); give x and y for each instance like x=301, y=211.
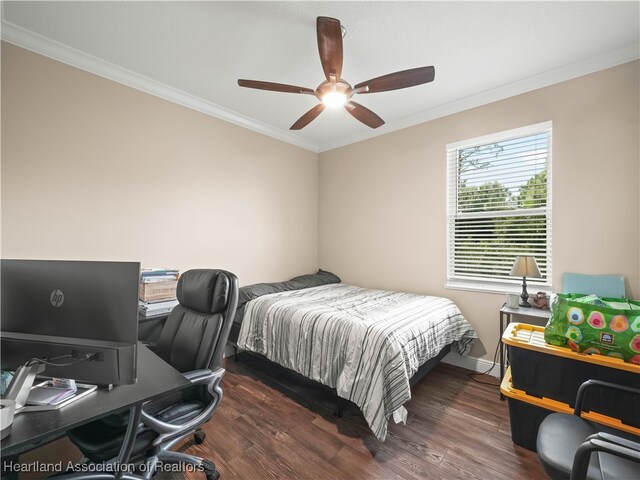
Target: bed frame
x=340, y=402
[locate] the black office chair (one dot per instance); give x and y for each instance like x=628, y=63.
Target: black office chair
x=193, y=340
x=572, y=448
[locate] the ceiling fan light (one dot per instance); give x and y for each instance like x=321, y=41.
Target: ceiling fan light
x=334, y=99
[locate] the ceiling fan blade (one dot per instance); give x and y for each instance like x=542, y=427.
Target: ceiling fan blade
x=330, y=46
x=363, y=114
x=274, y=87
x=396, y=80
x=308, y=117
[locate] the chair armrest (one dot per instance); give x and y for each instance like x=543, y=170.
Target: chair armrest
x=195, y=374
x=196, y=377
x=583, y=454
x=623, y=442
x=598, y=383
x=151, y=345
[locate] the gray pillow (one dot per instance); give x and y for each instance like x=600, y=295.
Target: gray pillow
x=249, y=292
x=315, y=279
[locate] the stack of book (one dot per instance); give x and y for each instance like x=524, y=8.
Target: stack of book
x=157, y=293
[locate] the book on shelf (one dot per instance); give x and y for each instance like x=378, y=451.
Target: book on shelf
x=157, y=278
x=155, y=313
x=158, y=297
x=147, y=309
x=158, y=291
x=150, y=306
x=148, y=273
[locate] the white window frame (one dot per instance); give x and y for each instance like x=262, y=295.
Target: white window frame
x=495, y=285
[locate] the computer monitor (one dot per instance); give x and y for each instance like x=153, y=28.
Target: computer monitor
x=70, y=311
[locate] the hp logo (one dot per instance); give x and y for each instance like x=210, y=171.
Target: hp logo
x=56, y=298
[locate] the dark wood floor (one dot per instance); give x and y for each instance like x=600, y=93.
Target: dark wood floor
x=272, y=426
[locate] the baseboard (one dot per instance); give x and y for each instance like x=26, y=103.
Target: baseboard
x=479, y=365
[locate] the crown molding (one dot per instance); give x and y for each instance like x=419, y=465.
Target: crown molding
x=568, y=72
x=50, y=48
x=30, y=40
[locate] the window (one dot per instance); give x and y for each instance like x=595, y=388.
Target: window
x=499, y=206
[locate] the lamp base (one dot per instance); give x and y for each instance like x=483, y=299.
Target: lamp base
x=524, y=296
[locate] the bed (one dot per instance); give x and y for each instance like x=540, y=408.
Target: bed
x=366, y=344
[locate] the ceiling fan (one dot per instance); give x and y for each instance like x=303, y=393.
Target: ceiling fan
x=335, y=92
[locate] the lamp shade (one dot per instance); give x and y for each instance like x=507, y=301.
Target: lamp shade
x=525, y=266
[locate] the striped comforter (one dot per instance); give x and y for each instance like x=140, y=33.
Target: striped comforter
x=366, y=344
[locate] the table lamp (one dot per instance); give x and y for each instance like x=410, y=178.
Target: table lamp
x=525, y=266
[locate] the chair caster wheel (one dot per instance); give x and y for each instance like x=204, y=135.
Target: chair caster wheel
x=210, y=470
x=199, y=437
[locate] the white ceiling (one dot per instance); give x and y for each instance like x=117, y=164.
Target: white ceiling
x=194, y=52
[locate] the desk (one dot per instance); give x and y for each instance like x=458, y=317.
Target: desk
x=32, y=429
x=506, y=315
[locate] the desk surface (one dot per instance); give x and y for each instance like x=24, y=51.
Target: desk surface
x=31, y=429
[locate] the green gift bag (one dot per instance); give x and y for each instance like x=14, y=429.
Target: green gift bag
x=590, y=324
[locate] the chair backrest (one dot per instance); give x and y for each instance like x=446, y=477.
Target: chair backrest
x=601, y=285
x=195, y=333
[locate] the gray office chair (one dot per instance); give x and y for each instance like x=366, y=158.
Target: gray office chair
x=193, y=340
x=572, y=448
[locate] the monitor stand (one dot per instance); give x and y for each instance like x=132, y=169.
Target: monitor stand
x=21, y=383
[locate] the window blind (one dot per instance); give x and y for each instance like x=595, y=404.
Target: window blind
x=499, y=206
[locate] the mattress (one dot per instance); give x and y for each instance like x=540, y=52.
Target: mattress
x=365, y=343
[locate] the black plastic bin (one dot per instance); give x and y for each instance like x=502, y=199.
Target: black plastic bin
x=527, y=412
x=525, y=420
x=547, y=371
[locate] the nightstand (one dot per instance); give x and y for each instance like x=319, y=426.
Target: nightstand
x=506, y=315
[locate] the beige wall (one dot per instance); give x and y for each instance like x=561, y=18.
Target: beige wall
x=95, y=170
x=383, y=201
x=92, y=169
